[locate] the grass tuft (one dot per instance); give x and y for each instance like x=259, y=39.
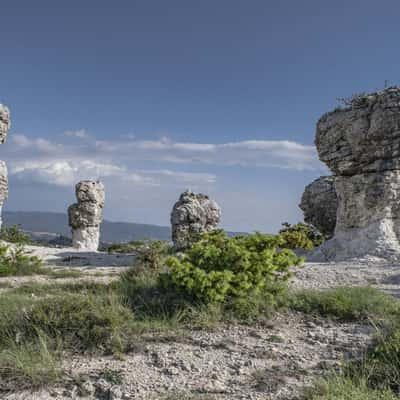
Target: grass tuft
x=345, y=303
x=31, y=364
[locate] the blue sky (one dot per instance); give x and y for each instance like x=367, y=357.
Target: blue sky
x=157, y=96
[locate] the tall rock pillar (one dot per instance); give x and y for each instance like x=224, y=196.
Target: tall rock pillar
x=4, y=127
x=86, y=215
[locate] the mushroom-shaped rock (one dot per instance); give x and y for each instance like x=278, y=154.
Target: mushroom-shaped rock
x=192, y=215
x=319, y=204
x=86, y=215
x=361, y=145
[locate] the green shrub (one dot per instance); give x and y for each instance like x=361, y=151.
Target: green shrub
x=219, y=268
x=16, y=261
x=152, y=255
x=300, y=236
x=14, y=234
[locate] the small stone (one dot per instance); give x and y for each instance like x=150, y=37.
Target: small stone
x=115, y=393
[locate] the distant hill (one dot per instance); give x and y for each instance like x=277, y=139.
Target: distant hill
x=111, y=232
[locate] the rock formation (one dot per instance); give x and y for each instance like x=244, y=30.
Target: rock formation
x=85, y=216
x=192, y=215
x=4, y=127
x=3, y=187
x=4, y=123
x=319, y=204
x=361, y=145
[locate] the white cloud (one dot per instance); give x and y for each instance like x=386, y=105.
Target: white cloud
x=184, y=177
x=40, y=144
x=62, y=172
x=41, y=160
x=252, y=153
x=80, y=134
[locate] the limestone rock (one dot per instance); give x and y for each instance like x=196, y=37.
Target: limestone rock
x=90, y=191
x=364, y=137
x=85, y=216
x=4, y=127
x=4, y=122
x=361, y=145
x=192, y=215
x=3, y=186
x=319, y=204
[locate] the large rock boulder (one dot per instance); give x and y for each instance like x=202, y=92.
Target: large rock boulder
x=192, y=215
x=319, y=204
x=86, y=215
x=361, y=145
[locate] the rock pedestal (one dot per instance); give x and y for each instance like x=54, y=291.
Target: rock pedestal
x=361, y=145
x=3, y=187
x=4, y=123
x=192, y=215
x=4, y=127
x=86, y=215
x=319, y=204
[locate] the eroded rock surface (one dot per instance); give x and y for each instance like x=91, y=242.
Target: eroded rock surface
x=4, y=127
x=3, y=187
x=86, y=215
x=361, y=145
x=319, y=204
x=192, y=215
x=4, y=122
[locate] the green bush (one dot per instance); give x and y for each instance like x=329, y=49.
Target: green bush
x=16, y=261
x=219, y=268
x=152, y=255
x=300, y=236
x=14, y=234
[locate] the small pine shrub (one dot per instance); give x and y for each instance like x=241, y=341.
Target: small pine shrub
x=300, y=236
x=220, y=269
x=14, y=234
x=17, y=262
x=152, y=255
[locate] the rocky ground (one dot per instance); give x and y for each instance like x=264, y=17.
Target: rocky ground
x=275, y=360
